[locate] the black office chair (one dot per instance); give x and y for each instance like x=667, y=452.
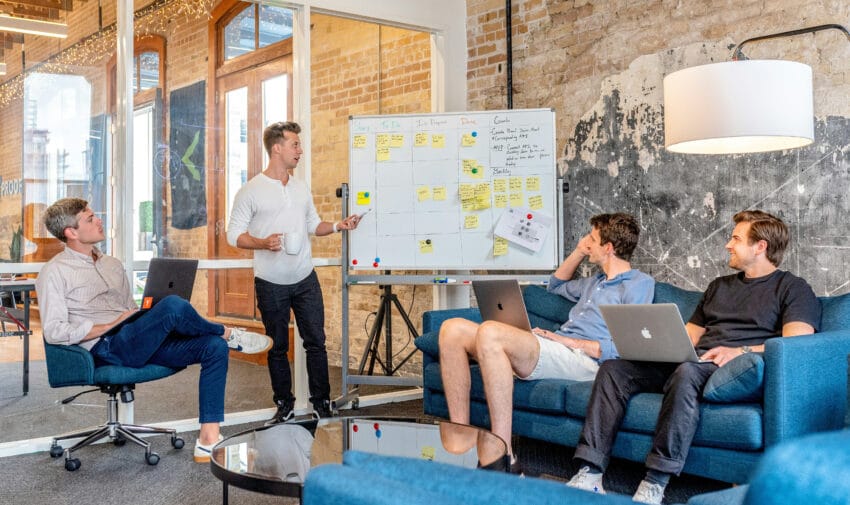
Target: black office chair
x=71, y=365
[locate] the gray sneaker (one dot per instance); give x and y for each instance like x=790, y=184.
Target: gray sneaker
x=248, y=342
x=587, y=481
x=648, y=492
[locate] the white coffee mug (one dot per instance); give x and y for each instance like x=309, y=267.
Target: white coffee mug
x=292, y=242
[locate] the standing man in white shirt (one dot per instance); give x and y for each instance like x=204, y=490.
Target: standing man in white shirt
x=273, y=214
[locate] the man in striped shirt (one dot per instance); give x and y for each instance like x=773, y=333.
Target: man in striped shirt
x=83, y=293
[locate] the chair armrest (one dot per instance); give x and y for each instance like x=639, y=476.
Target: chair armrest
x=805, y=384
x=68, y=365
x=433, y=319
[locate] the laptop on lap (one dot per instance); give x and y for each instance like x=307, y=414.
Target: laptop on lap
x=501, y=300
x=166, y=276
x=649, y=332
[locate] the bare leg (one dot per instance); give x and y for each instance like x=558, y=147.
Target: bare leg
x=502, y=352
x=209, y=433
x=457, y=344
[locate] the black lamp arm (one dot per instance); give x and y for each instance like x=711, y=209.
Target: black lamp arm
x=737, y=54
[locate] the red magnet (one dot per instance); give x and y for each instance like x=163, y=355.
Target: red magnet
x=353, y=262
x=528, y=216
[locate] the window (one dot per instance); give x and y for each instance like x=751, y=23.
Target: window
x=255, y=27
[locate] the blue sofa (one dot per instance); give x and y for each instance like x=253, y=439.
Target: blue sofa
x=805, y=391
x=811, y=470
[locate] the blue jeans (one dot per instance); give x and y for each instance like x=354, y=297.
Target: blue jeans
x=616, y=382
x=304, y=298
x=173, y=334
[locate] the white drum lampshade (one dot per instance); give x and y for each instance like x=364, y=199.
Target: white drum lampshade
x=733, y=107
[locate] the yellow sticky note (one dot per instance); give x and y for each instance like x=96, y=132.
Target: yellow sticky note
x=470, y=221
x=382, y=140
x=515, y=184
x=382, y=153
x=439, y=192
x=532, y=183
x=359, y=141
x=438, y=140
x=428, y=453
x=467, y=191
x=397, y=140
x=535, y=202
x=516, y=199
x=482, y=188
x=501, y=200
x=500, y=185
x=500, y=246
x=420, y=140
x=426, y=246
x=467, y=205
x=363, y=198
x=423, y=193
x=482, y=202
x=467, y=140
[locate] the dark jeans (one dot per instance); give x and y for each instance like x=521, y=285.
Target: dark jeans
x=616, y=382
x=305, y=300
x=153, y=339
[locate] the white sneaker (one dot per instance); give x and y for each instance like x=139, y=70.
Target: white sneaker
x=587, y=481
x=248, y=342
x=648, y=492
x=203, y=452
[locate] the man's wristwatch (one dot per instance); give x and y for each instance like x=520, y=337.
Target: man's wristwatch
x=746, y=349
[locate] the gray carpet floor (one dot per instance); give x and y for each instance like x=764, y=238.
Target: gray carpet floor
x=119, y=475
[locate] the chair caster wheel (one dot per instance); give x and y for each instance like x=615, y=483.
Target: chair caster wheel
x=177, y=443
x=152, y=458
x=72, y=464
x=56, y=451
x=119, y=441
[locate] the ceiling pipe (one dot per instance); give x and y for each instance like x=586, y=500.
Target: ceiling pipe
x=509, y=67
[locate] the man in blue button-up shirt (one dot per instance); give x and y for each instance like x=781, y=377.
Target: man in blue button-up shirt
x=574, y=351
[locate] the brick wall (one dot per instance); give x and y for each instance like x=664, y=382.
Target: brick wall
x=358, y=68
x=600, y=65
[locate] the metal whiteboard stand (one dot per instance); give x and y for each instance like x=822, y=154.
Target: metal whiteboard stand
x=352, y=394
x=384, y=320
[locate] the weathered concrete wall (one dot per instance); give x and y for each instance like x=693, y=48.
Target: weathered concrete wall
x=601, y=66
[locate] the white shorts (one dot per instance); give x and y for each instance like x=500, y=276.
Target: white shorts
x=558, y=361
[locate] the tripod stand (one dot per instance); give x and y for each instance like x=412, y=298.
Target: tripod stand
x=384, y=321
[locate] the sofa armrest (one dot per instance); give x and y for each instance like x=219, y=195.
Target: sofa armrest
x=432, y=319
x=805, y=384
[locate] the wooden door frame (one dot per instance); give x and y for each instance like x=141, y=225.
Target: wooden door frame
x=219, y=70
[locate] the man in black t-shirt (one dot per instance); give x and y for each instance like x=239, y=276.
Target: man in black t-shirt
x=736, y=314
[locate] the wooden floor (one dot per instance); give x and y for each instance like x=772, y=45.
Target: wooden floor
x=12, y=348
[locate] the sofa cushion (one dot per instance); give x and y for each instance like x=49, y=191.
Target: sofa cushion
x=546, y=310
x=740, y=380
x=686, y=300
x=836, y=312
x=429, y=343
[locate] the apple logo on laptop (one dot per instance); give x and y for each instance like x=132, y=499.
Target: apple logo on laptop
x=500, y=306
x=645, y=333
x=170, y=284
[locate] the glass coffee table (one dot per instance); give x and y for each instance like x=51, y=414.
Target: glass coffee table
x=276, y=459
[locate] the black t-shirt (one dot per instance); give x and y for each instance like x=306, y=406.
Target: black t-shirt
x=736, y=311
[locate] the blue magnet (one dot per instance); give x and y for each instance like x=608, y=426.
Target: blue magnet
x=378, y=433
x=474, y=134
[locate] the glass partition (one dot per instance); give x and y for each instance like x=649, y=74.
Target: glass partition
x=207, y=78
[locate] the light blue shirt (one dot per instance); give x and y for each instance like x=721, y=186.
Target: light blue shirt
x=589, y=293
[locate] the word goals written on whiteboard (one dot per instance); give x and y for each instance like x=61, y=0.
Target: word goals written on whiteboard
x=472, y=190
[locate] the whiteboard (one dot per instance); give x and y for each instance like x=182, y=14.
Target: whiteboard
x=438, y=186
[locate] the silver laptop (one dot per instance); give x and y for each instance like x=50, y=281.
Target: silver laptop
x=501, y=300
x=649, y=332
x=166, y=276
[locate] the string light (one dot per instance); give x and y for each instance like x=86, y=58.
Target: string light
x=160, y=18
